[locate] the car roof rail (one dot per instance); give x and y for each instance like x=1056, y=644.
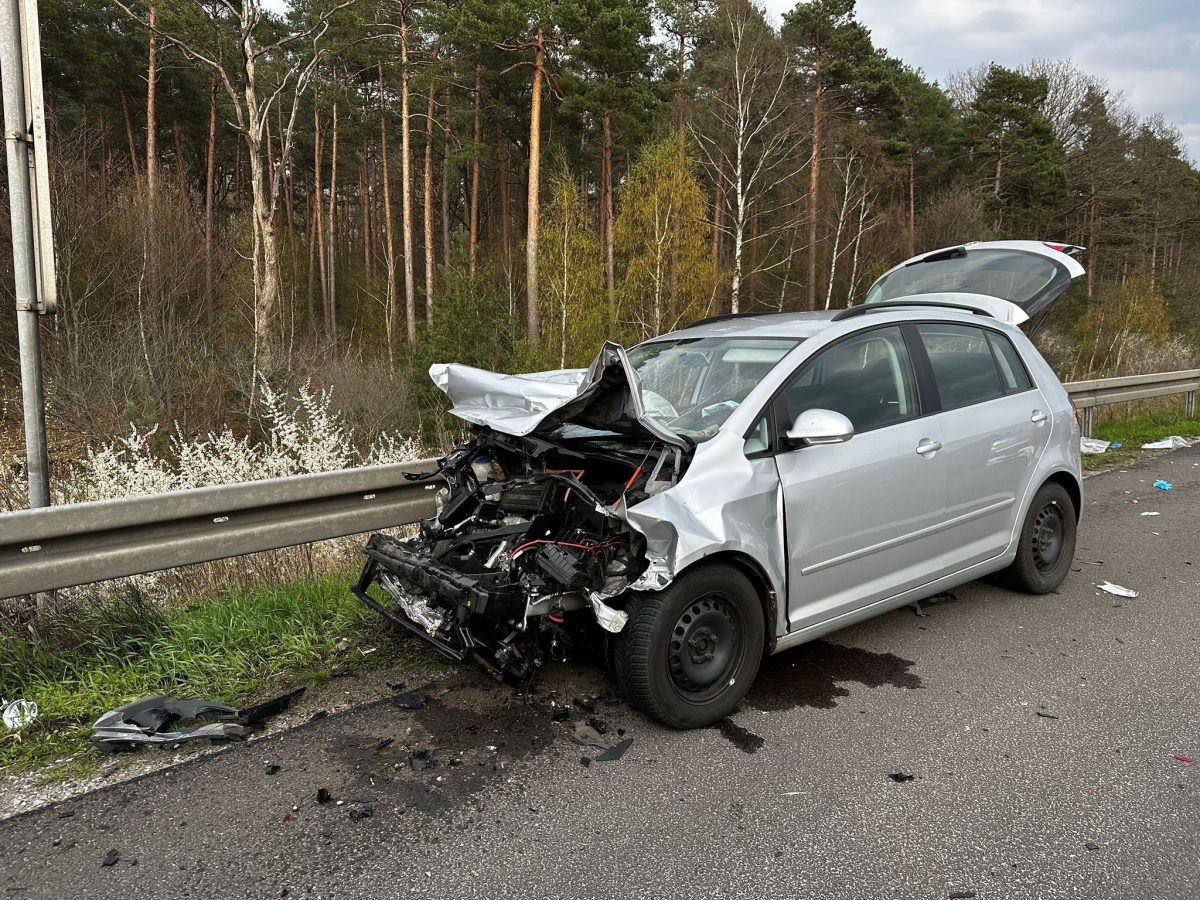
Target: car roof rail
x=886, y=305
x=725, y=317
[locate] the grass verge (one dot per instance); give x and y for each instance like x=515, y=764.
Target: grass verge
x=1133, y=432
x=240, y=646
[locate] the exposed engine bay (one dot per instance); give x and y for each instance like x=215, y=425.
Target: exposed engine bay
x=529, y=547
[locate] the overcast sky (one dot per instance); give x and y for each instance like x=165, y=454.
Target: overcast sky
x=1149, y=49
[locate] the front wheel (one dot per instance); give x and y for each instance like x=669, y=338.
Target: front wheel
x=688, y=654
x=1047, y=543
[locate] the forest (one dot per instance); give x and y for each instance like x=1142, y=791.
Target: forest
x=250, y=202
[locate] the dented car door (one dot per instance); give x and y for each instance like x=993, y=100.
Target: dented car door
x=862, y=517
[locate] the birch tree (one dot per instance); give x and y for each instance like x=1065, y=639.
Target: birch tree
x=272, y=72
x=750, y=140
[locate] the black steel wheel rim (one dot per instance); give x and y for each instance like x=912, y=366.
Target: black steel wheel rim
x=1049, y=537
x=705, y=647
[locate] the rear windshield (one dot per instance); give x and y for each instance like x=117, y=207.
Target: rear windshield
x=1008, y=274
x=692, y=385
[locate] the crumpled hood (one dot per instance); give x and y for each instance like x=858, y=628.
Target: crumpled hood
x=606, y=396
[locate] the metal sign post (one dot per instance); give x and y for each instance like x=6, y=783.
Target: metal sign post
x=29, y=208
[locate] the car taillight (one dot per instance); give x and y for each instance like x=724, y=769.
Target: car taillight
x=1068, y=249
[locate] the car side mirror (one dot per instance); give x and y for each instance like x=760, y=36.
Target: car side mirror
x=819, y=426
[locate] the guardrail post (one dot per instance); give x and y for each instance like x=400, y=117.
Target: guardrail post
x=1189, y=404
x=1087, y=421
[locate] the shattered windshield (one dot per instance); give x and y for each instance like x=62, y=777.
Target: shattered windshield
x=692, y=385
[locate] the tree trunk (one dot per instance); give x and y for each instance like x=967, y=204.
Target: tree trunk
x=1093, y=238
x=388, y=233
x=152, y=108
x=610, y=266
x=210, y=177
x=319, y=220
x=912, y=204
x=331, y=243
x=133, y=157
x=473, y=238
x=506, y=240
x=445, y=207
x=427, y=222
x=814, y=189
x=406, y=211
x=364, y=208
x=535, y=152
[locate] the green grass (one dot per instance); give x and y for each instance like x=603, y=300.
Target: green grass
x=1133, y=432
x=241, y=646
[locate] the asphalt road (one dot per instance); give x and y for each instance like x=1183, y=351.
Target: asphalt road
x=792, y=797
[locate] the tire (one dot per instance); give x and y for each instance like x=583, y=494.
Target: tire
x=688, y=654
x=1047, y=543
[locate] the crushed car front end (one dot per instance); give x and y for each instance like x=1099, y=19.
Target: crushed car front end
x=527, y=531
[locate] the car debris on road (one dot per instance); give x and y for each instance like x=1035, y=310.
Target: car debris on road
x=158, y=720
x=1116, y=590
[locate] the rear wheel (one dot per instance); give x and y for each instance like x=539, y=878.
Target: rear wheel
x=1047, y=543
x=688, y=654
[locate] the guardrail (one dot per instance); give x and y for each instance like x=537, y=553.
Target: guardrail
x=64, y=546
x=79, y=543
x=1087, y=395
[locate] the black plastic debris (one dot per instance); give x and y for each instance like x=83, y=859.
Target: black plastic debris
x=598, y=724
x=961, y=895
x=253, y=715
x=364, y=810
x=323, y=795
x=612, y=754
x=110, y=858
x=560, y=713
x=421, y=759
x=339, y=672
x=918, y=607
x=1046, y=715
x=271, y=768
x=585, y=761
x=589, y=705
x=1092, y=846
x=410, y=700
x=900, y=778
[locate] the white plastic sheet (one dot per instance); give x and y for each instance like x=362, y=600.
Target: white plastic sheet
x=1174, y=442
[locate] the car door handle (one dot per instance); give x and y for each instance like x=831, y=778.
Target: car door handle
x=1038, y=417
x=927, y=447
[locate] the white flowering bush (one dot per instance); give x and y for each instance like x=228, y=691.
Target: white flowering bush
x=302, y=434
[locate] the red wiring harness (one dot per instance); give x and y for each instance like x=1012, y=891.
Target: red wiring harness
x=591, y=548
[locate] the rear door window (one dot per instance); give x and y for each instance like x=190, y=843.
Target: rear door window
x=1012, y=370
x=963, y=366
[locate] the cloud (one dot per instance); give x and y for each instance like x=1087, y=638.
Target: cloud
x=1146, y=50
